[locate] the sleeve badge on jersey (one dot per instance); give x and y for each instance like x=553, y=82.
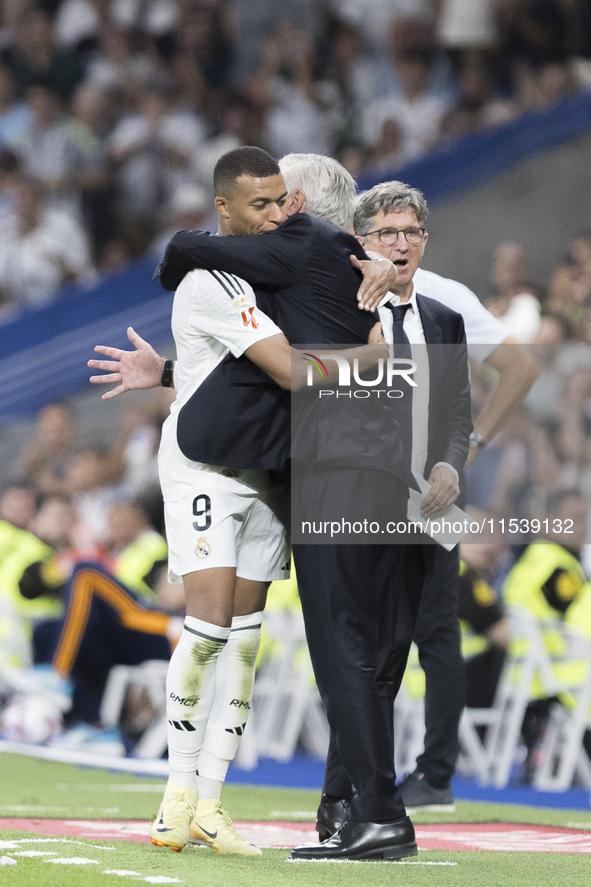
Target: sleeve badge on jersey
x=203, y=548
x=241, y=300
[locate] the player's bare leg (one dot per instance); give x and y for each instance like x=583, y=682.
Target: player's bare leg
x=235, y=673
x=190, y=690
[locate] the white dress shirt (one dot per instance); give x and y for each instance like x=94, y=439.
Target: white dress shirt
x=413, y=327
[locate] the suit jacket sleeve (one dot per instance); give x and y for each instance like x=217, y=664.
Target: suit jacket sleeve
x=459, y=422
x=273, y=260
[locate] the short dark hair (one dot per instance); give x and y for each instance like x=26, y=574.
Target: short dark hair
x=245, y=161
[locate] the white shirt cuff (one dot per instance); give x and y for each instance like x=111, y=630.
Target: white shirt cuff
x=447, y=465
x=375, y=257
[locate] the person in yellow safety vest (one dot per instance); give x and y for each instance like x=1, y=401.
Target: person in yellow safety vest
x=578, y=616
x=104, y=621
x=18, y=549
x=137, y=552
x=485, y=636
x=547, y=580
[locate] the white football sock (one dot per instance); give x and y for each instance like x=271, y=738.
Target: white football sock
x=231, y=706
x=190, y=689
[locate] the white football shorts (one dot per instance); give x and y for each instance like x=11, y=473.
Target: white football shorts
x=229, y=518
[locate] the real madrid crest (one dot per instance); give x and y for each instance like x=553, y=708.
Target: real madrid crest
x=203, y=548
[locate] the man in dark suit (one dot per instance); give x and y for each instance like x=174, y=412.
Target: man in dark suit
x=350, y=594
x=342, y=584
x=392, y=217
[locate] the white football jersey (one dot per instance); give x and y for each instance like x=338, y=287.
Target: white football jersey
x=213, y=314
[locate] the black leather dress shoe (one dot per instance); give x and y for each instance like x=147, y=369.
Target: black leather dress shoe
x=364, y=840
x=332, y=814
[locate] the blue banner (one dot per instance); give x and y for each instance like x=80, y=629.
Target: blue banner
x=43, y=352
x=476, y=159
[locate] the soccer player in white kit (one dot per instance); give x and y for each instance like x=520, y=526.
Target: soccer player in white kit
x=226, y=540
x=225, y=528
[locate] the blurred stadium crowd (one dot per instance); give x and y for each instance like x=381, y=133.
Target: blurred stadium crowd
x=114, y=112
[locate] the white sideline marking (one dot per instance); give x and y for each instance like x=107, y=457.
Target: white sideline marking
x=579, y=825
x=371, y=861
x=60, y=841
x=36, y=853
x=161, y=879
x=32, y=808
x=132, y=788
x=73, y=860
x=412, y=862
x=293, y=814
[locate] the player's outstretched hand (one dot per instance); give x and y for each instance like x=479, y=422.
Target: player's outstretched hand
x=379, y=276
x=141, y=368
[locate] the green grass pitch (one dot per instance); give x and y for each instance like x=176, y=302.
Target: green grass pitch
x=37, y=789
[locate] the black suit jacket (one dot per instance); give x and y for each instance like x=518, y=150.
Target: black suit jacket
x=450, y=419
x=304, y=281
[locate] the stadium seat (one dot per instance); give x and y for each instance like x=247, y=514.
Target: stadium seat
x=527, y=666
x=563, y=756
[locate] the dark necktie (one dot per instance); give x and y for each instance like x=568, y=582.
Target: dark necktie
x=399, y=337
x=402, y=349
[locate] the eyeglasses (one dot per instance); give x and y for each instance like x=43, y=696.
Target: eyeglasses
x=389, y=236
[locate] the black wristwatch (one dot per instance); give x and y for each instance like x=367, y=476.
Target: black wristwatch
x=167, y=377
x=477, y=441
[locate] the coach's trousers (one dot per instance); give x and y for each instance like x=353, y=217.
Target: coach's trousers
x=355, y=599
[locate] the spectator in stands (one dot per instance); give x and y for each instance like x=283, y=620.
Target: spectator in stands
x=56, y=150
x=34, y=57
x=388, y=153
x=190, y=207
x=137, y=553
x=515, y=303
x=418, y=111
x=552, y=83
x=241, y=124
x=18, y=506
x=88, y=482
x=531, y=34
x=479, y=105
x=117, y=64
x=355, y=74
x=253, y=22
x=10, y=177
x=387, y=26
x=153, y=150
x=15, y=116
x=570, y=288
x=464, y=26
x=92, y=115
x=42, y=249
x=46, y=458
x=302, y=110
x=202, y=53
